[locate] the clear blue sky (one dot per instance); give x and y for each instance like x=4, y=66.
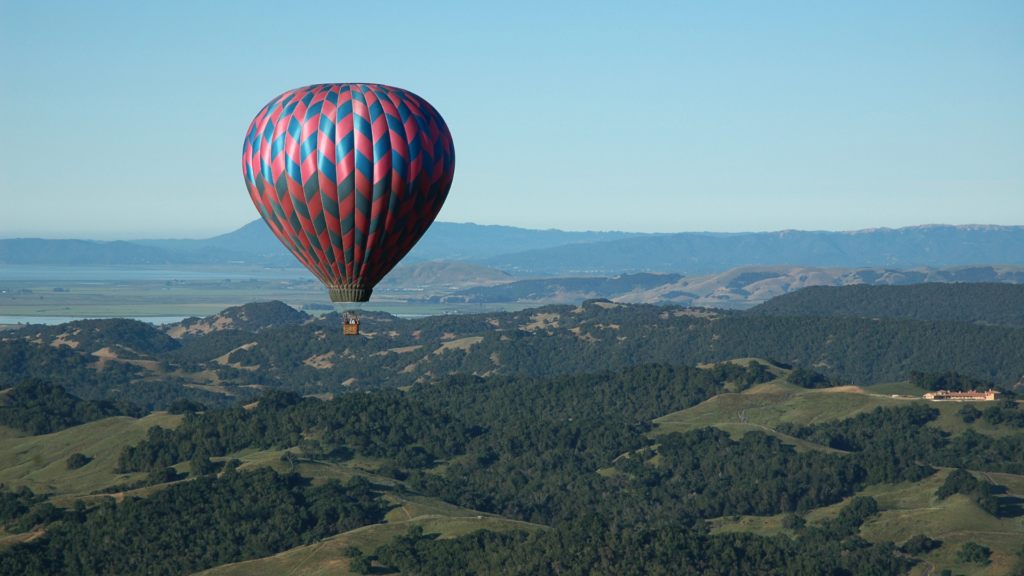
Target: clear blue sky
x=125, y=120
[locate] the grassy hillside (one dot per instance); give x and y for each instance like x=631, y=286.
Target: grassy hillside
x=40, y=462
x=906, y=509
x=444, y=273
x=739, y=288
x=328, y=556
x=765, y=406
x=911, y=508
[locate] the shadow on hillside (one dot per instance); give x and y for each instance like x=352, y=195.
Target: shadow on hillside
x=1011, y=507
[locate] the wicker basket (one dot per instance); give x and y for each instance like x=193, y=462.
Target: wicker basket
x=351, y=324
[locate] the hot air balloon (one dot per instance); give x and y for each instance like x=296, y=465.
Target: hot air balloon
x=348, y=177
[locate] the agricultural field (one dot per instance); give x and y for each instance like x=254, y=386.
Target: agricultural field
x=164, y=301
x=202, y=292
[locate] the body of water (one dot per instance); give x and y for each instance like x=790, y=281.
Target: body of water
x=28, y=273
x=51, y=320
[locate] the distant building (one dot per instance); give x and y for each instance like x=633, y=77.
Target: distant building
x=970, y=395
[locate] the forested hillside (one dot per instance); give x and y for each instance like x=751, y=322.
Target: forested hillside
x=655, y=433
x=525, y=449
x=983, y=303
x=260, y=346
x=39, y=407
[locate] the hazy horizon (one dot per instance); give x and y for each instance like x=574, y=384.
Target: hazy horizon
x=716, y=232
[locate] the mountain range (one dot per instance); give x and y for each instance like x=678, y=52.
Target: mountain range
x=738, y=288
x=537, y=253
x=933, y=246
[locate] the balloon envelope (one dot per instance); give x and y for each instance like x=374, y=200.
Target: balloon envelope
x=348, y=177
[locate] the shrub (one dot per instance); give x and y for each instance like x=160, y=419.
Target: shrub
x=920, y=544
x=973, y=552
x=969, y=414
x=77, y=460
x=163, y=476
x=352, y=552
x=361, y=565
x=793, y=522
x=183, y=406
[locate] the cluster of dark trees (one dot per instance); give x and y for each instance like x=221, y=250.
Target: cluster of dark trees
x=438, y=421
x=920, y=544
x=22, y=509
x=949, y=380
x=973, y=552
x=960, y=481
x=890, y=436
x=40, y=407
x=596, y=544
x=381, y=425
x=545, y=437
x=812, y=379
x=699, y=474
x=188, y=526
x=982, y=302
x=1007, y=412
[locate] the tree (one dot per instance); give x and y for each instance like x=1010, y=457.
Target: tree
x=201, y=465
x=77, y=460
x=920, y=544
x=793, y=522
x=974, y=553
x=361, y=565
